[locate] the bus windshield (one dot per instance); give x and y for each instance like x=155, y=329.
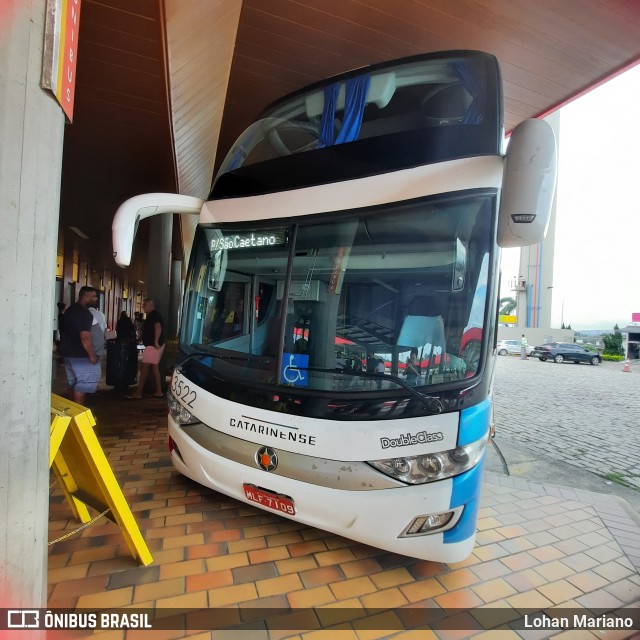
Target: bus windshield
x=359, y=301
x=392, y=116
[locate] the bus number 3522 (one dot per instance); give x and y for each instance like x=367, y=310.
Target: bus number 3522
x=183, y=391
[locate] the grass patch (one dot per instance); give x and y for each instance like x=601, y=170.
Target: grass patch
x=618, y=478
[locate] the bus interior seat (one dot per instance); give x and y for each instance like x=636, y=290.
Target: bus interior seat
x=423, y=306
x=423, y=324
x=446, y=105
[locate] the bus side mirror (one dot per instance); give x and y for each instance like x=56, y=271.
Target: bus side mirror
x=131, y=211
x=528, y=185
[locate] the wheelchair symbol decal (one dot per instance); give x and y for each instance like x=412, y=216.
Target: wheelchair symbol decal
x=294, y=369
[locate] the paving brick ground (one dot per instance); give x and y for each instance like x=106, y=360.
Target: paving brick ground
x=584, y=416
x=539, y=545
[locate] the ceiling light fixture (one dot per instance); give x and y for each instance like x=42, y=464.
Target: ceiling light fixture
x=77, y=231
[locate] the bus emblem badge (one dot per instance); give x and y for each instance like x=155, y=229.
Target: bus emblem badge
x=266, y=458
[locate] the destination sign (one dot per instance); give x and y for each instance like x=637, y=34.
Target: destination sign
x=251, y=239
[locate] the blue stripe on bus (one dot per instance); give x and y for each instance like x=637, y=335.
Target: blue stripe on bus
x=465, y=491
x=474, y=422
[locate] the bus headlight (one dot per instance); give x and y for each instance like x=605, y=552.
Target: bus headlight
x=178, y=412
x=431, y=467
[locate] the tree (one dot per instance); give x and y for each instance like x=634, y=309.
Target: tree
x=613, y=343
x=507, y=305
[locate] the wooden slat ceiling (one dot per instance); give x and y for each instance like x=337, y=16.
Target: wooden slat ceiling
x=549, y=50
x=122, y=143
x=198, y=90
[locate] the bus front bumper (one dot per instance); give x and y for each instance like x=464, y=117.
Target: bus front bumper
x=379, y=518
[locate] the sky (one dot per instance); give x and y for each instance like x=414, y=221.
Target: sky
x=596, y=272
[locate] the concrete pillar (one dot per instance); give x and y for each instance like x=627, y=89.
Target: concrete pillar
x=158, y=273
x=175, y=298
x=159, y=265
x=31, y=131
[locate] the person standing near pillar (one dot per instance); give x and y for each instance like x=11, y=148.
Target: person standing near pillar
x=98, y=331
x=153, y=341
x=80, y=359
x=523, y=348
x=125, y=331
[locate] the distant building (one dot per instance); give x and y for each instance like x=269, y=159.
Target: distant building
x=632, y=331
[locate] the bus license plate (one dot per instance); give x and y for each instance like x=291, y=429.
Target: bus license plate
x=275, y=501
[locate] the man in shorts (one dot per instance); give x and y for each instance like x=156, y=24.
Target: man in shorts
x=80, y=360
x=153, y=341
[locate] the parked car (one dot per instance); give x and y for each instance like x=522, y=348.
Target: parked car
x=511, y=346
x=566, y=352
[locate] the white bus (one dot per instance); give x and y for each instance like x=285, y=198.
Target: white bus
x=338, y=328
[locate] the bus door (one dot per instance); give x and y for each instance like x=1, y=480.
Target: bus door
x=264, y=317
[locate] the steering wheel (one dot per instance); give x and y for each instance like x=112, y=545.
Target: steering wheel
x=445, y=105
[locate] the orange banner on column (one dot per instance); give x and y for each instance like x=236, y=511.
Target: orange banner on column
x=61, y=52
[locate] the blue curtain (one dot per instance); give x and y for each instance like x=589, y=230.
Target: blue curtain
x=355, y=101
x=236, y=160
x=327, y=126
x=472, y=83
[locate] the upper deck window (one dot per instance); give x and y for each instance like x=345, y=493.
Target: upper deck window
x=456, y=94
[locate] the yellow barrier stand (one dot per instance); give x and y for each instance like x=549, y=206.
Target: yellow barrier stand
x=85, y=475
x=59, y=425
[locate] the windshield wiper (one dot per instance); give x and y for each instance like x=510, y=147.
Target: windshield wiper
x=434, y=405
x=208, y=354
